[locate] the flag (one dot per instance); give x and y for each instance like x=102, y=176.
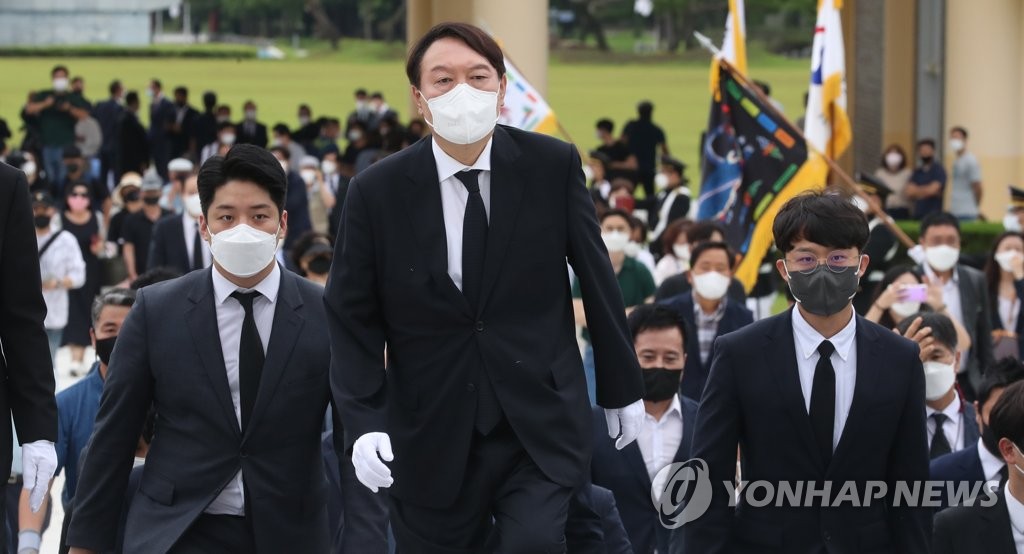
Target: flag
x=524, y=107
x=734, y=44
x=827, y=125
x=753, y=162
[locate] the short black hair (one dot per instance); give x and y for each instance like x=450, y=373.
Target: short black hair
x=153, y=276
x=822, y=217
x=377, y=94
x=926, y=142
x=360, y=92
x=115, y=86
x=305, y=107
x=697, y=251
x=224, y=125
x=1007, y=417
x=131, y=98
x=209, y=99
x=305, y=241
x=182, y=90
x=244, y=162
x=614, y=212
x=937, y=219
x=764, y=86
x=702, y=231
x=57, y=68
x=959, y=129
x=942, y=327
x=474, y=37
x=157, y=83
x=654, y=317
x=999, y=375
x=645, y=109
x=113, y=297
x=281, y=129
x=605, y=125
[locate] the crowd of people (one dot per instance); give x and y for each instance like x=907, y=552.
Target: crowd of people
x=202, y=246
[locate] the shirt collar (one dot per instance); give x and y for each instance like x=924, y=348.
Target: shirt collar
x=713, y=316
x=808, y=339
x=675, y=409
x=990, y=464
x=931, y=273
x=448, y=166
x=268, y=287
x=952, y=412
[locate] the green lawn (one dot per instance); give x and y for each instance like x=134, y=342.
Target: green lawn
x=580, y=92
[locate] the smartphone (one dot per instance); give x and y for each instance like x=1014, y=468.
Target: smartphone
x=914, y=293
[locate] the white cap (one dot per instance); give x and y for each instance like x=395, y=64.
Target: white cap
x=309, y=161
x=180, y=165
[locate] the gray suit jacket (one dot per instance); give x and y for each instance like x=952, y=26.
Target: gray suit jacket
x=168, y=353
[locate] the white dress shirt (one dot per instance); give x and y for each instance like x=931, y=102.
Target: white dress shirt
x=953, y=427
x=990, y=466
x=844, y=362
x=951, y=296
x=1016, y=509
x=230, y=316
x=62, y=259
x=659, y=440
x=191, y=227
x=454, y=198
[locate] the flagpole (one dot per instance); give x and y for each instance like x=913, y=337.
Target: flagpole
x=845, y=180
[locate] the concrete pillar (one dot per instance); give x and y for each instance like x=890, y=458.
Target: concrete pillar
x=898, y=93
x=984, y=83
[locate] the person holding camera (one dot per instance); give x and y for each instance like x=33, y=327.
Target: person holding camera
x=59, y=109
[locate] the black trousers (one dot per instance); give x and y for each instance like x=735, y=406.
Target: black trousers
x=212, y=534
x=506, y=505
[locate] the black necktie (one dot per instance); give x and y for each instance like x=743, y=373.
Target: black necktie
x=250, y=356
x=197, y=250
x=940, y=445
x=823, y=401
x=474, y=248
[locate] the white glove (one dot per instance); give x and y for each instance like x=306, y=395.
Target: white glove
x=39, y=462
x=370, y=470
x=916, y=253
x=624, y=423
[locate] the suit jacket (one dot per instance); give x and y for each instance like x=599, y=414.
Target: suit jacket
x=997, y=322
x=167, y=246
x=161, y=116
x=695, y=373
x=973, y=529
x=977, y=320
x=615, y=539
x=168, y=354
x=132, y=145
x=625, y=474
x=753, y=399
x=257, y=137
x=25, y=366
x=389, y=284
x=962, y=466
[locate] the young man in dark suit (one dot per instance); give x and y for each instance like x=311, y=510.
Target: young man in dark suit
x=25, y=366
x=667, y=432
x=992, y=527
x=706, y=312
x=251, y=131
x=814, y=394
x=452, y=255
x=176, y=241
x=235, y=361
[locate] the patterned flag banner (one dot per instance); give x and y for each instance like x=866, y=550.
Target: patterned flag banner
x=524, y=107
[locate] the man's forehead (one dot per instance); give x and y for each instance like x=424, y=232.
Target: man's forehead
x=450, y=53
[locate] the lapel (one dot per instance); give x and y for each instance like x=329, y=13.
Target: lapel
x=182, y=248
x=995, y=535
x=288, y=322
x=689, y=411
x=868, y=370
x=506, y=195
x=968, y=301
x=780, y=347
x=424, y=211
x=201, y=316
x=634, y=461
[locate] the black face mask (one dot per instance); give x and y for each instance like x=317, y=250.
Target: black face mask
x=926, y=160
x=823, y=292
x=151, y=200
x=660, y=383
x=132, y=196
x=104, y=347
x=320, y=265
x=41, y=221
x=990, y=440
x=73, y=168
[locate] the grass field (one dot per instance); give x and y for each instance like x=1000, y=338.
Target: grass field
x=580, y=92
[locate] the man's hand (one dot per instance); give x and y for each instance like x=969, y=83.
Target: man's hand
x=39, y=462
x=370, y=470
x=922, y=336
x=624, y=423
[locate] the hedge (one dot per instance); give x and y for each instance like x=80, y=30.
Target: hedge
x=160, y=51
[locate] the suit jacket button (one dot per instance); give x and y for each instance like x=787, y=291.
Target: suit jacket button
x=479, y=326
x=470, y=387
x=244, y=453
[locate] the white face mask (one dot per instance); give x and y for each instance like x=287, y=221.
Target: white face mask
x=193, y=205
x=242, y=250
x=328, y=167
x=956, y=144
x=660, y=181
x=632, y=249
x=588, y=173
x=893, y=160
x=1015, y=466
x=1005, y=259
x=355, y=135
x=308, y=175
x=938, y=377
x=1011, y=223
x=60, y=84
x=905, y=309
x=29, y=167
x=250, y=115
x=681, y=252
x=464, y=114
x=303, y=120
x=615, y=241
x=227, y=138
x=711, y=285
x=942, y=257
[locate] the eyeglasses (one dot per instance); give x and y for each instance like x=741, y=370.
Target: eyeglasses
x=836, y=262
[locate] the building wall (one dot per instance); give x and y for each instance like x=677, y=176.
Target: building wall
x=898, y=82
x=48, y=29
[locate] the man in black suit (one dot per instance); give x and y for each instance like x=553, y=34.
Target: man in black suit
x=25, y=366
x=980, y=463
x=665, y=437
x=814, y=394
x=234, y=359
x=452, y=254
x=161, y=123
x=251, y=131
x=107, y=113
x=992, y=525
x=132, y=141
x=176, y=241
x=706, y=312
x=182, y=132
x=700, y=232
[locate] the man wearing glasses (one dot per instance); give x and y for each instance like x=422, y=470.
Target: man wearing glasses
x=818, y=398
